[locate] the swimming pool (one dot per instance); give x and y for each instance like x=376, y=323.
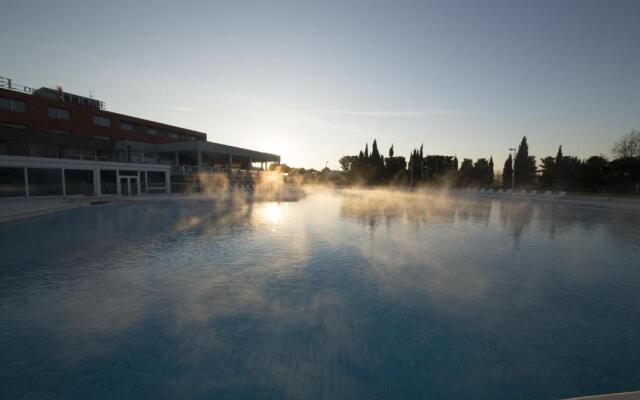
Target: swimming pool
x=338, y=296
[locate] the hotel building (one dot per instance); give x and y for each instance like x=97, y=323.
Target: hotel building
x=54, y=143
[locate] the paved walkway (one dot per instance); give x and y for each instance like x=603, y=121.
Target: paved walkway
x=14, y=209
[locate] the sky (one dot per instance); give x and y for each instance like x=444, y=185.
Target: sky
x=313, y=81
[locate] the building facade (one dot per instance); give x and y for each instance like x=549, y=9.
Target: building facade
x=57, y=143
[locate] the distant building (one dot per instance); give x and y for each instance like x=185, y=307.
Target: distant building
x=58, y=143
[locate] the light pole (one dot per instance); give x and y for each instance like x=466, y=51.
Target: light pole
x=513, y=169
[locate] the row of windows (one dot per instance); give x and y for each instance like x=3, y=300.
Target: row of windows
x=59, y=113
x=21, y=106
x=129, y=126
x=13, y=105
x=57, y=131
x=65, y=114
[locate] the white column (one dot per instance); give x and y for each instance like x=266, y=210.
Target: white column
x=138, y=184
x=167, y=182
x=26, y=182
x=97, y=185
x=146, y=182
x=230, y=163
x=64, y=185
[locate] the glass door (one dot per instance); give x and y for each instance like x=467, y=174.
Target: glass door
x=133, y=186
x=124, y=186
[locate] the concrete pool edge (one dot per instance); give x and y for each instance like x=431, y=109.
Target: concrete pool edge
x=612, y=396
x=17, y=210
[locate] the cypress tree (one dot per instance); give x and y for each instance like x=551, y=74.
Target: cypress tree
x=490, y=172
x=522, y=167
x=507, y=173
x=559, y=170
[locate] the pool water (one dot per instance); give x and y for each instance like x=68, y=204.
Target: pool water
x=341, y=295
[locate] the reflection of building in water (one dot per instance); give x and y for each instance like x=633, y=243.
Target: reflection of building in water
x=57, y=143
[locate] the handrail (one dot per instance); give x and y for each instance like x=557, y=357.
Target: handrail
x=7, y=83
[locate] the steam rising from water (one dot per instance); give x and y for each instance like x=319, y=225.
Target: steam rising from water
x=354, y=293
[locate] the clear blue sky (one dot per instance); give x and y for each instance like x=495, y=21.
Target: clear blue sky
x=315, y=80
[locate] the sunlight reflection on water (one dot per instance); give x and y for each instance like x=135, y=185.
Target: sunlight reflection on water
x=351, y=295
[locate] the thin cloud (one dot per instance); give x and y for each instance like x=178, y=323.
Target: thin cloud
x=186, y=109
x=405, y=113
x=175, y=108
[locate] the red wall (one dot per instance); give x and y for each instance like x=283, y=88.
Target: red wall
x=81, y=122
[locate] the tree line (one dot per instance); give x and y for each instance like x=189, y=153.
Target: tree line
x=559, y=172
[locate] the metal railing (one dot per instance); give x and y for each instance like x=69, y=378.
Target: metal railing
x=7, y=83
x=194, y=169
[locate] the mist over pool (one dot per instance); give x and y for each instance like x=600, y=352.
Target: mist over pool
x=341, y=295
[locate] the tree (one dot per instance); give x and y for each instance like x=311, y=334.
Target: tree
x=627, y=146
x=465, y=173
x=481, y=175
x=391, y=151
x=548, y=176
x=559, y=170
x=375, y=154
x=596, y=174
x=348, y=162
x=524, y=166
x=395, y=168
x=573, y=174
x=439, y=170
x=507, y=173
x=491, y=172
x=624, y=174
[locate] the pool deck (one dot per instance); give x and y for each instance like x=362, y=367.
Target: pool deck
x=16, y=209
x=613, y=396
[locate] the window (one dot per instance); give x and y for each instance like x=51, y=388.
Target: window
x=59, y=113
x=88, y=154
x=151, y=131
x=10, y=125
x=44, y=181
x=12, y=182
x=18, y=149
x=101, y=121
x=108, y=182
x=102, y=137
x=44, y=150
x=172, y=134
x=13, y=105
x=71, y=153
x=136, y=156
x=60, y=131
x=78, y=181
x=128, y=126
x=104, y=156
